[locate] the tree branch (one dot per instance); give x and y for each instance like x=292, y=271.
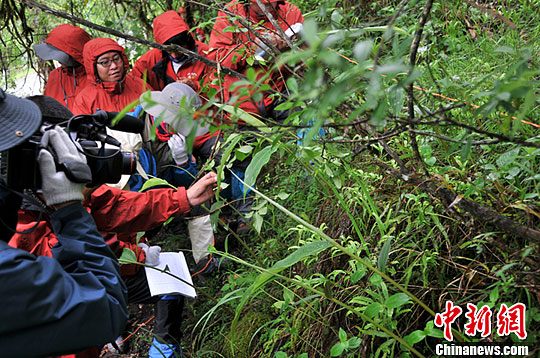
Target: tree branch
x=410, y=89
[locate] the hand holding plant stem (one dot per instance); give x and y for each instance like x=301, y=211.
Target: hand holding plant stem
x=202, y=189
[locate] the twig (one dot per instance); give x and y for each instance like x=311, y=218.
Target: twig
x=448, y=139
x=410, y=90
x=401, y=6
x=501, y=137
x=139, y=326
x=387, y=135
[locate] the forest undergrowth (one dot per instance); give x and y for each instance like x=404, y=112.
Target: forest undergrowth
x=357, y=246
x=406, y=175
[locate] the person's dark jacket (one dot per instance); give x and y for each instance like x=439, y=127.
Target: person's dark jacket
x=74, y=301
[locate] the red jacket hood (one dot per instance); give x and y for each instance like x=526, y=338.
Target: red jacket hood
x=97, y=47
x=167, y=25
x=70, y=39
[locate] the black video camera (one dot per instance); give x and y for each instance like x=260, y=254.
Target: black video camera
x=107, y=165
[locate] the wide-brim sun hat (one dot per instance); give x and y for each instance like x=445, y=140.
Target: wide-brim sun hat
x=52, y=111
x=174, y=106
x=48, y=52
x=19, y=120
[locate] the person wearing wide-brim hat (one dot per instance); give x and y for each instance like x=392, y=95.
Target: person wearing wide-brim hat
x=53, y=303
x=64, y=44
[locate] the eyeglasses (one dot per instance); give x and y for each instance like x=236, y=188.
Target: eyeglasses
x=108, y=61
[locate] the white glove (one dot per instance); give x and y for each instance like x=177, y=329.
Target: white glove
x=56, y=187
x=152, y=254
x=201, y=236
x=177, y=144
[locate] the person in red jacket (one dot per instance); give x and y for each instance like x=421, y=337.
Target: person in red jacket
x=161, y=67
x=65, y=44
x=119, y=215
x=110, y=87
x=233, y=48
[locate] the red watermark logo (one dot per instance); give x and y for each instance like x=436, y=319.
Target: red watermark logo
x=509, y=320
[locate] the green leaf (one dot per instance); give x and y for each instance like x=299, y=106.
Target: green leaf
x=244, y=116
x=250, y=74
x=128, y=257
x=336, y=350
x=280, y=354
x=257, y=222
x=375, y=280
x=433, y=332
x=228, y=146
x=288, y=295
x=342, y=335
x=254, y=168
x=243, y=152
x=284, y=106
x=362, y=50
x=466, y=150
x=414, y=337
x=292, y=84
x=508, y=158
x=283, y=196
x=310, y=32
x=307, y=250
x=358, y=274
x=154, y=182
x=373, y=309
x=354, y=342
x=336, y=17
x=431, y=161
x=124, y=111
x=396, y=98
x=397, y=300
x=246, y=149
x=383, y=255
x=494, y=295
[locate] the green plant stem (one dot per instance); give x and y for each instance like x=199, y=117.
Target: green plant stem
x=342, y=249
x=322, y=294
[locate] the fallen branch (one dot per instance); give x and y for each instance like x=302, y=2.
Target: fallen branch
x=451, y=199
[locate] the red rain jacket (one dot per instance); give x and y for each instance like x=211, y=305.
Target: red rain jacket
x=119, y=215
x=231, y=48
x=64, y=83
x=109, y=96
x=158, y=69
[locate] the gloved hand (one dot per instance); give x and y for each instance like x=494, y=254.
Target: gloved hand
x=177, y=144
x=152, y=254
x=56, y=187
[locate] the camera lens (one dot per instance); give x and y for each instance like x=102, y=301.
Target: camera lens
x=129, y=163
